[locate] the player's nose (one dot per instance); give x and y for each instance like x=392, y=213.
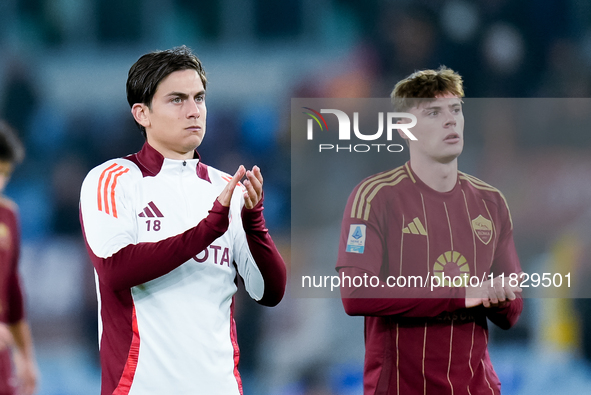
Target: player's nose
x=450, y=119
x=193, y=110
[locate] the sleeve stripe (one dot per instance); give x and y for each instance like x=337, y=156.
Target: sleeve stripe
x=476, y=181
x=106, y=187
x=112, y=173
x=375, y=192
x=113, y=206
x=365, y=204
x=100, y=206
x=366, y=186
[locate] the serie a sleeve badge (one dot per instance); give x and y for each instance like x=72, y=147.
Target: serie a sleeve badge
x=356, y=239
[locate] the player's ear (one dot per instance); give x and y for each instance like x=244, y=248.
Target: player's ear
x=402, y=134
x=141, y=114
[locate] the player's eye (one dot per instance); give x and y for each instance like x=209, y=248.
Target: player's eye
x=176, y=100
x=200, y=98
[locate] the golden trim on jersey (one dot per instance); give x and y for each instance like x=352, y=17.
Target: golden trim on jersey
x=479, y=184
x=451, y=342
x=427, y=231
x=410, y=173
x=364, y=188
x=470, y=357
x=375, y=192
x=473, y=236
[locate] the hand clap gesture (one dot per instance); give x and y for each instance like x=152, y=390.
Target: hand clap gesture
x=253, y=185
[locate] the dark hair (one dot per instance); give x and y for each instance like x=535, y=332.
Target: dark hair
x=11, y=148
x=426, y=84
x=146, y=74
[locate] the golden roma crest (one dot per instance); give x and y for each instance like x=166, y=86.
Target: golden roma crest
x=482, y=228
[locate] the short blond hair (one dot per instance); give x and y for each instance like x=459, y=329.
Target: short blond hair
x=426, y=84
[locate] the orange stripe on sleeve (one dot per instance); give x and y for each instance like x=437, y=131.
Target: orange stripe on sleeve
x=113, y=206
x=106, y=187
x=98, y=191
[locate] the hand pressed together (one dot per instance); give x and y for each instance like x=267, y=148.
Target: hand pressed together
x=254, y=187
x=492, y=293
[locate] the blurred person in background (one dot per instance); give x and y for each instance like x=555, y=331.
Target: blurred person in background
x=168, y=237
x=18, y=369
x=426, y=218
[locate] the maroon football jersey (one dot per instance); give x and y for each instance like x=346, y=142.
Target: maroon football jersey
x=418, y=340
x=11, y=299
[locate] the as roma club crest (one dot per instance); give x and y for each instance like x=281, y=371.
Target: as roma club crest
x=482, y=228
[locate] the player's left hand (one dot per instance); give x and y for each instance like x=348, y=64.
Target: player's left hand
x=226, y=196
x=496, y=292
x=254, y=187
x=500, y=292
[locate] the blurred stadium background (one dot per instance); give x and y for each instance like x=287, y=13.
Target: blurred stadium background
x=63, y=67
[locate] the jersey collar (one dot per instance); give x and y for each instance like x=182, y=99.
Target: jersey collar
x=150, y=162
x=427, y=189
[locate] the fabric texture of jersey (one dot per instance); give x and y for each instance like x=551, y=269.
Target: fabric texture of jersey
x=11, y=298
x=166, y=255
x=418, y=341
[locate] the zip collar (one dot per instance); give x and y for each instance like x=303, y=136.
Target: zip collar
x=150, y=162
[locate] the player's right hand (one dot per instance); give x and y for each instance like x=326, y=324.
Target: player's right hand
x=226, y=195
x=6, y=339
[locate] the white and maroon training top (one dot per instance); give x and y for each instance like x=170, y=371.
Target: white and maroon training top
x=166, y=255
